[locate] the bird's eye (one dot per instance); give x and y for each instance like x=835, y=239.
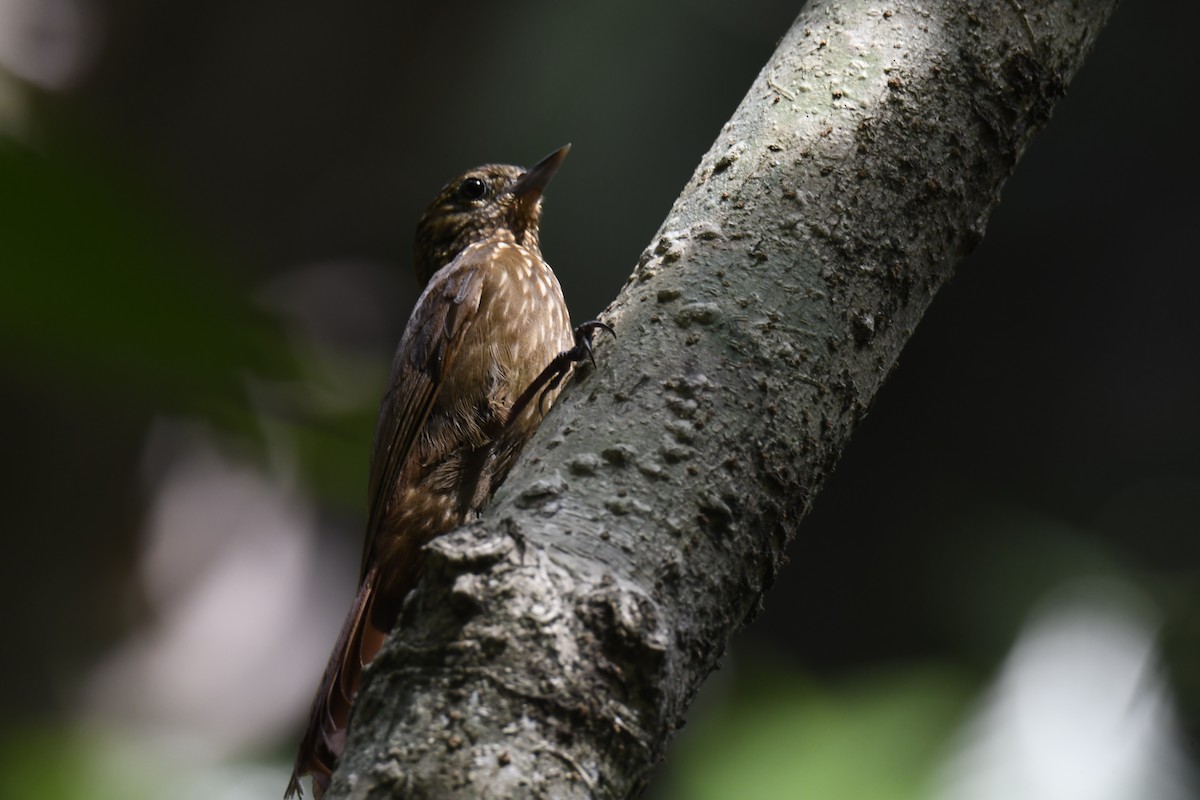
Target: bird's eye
x=472, y=189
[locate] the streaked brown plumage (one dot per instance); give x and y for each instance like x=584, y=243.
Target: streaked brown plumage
x=489, y=334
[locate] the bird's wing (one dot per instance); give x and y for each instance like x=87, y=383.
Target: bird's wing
x=427, y=352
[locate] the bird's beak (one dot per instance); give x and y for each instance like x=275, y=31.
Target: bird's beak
x=534, y=181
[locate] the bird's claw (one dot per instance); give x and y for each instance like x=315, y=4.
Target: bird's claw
x=560, y=367
x=583, y=340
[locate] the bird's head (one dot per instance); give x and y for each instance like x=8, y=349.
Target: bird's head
x=493, y=201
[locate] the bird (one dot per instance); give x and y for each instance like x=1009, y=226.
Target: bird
x=481, y=360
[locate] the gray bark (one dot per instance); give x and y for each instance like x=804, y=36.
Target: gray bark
x=551, y=650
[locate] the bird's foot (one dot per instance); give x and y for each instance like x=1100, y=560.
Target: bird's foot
x=560, y=366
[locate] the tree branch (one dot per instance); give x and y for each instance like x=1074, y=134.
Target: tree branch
x=552, y=649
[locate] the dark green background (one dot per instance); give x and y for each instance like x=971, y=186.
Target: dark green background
x=1042, y=425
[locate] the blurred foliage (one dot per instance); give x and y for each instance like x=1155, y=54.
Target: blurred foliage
x=101, y=291
x=61, y=764
x=778, y=736
x=80, y=762
x=1041, y=425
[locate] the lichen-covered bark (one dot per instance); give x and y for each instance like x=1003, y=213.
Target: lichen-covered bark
x=551, y=649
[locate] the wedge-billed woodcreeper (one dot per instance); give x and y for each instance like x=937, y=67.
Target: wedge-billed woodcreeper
x=481, y=360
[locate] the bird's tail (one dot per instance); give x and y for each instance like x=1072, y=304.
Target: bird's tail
x=325, y=735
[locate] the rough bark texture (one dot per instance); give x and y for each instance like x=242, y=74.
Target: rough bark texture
x=551, y=649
